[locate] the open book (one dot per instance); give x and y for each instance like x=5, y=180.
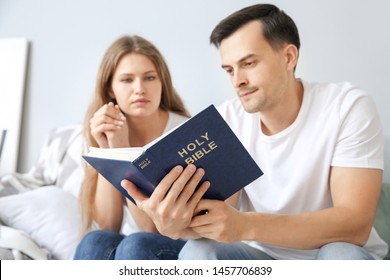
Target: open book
x=205, y=140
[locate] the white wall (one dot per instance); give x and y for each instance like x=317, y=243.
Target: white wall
x=341, y=40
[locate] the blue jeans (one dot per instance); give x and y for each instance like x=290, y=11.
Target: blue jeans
x=109, y=245
x=205, y=249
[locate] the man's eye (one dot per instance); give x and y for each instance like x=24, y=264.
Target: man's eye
x=249, y=64
x=229, y=71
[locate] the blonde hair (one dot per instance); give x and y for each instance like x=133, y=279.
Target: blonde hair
x=170, y=101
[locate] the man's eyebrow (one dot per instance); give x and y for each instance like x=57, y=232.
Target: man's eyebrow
x=240, y=60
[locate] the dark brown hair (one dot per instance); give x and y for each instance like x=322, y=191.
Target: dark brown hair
x=278, y=27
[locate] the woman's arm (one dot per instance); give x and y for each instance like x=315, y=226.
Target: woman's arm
x=142, y=220
x=108, y=206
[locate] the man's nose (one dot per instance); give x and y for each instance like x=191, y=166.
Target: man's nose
x=239, y=79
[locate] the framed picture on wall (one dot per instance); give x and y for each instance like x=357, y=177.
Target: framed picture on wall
x=3, y=133
x=13, y=64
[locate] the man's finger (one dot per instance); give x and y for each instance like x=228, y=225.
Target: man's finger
x=166, y=183
x=133, y=191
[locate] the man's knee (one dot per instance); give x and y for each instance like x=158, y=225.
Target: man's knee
x=199, y=249
x=342, y=251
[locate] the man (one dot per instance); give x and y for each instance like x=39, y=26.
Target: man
x=320, y=147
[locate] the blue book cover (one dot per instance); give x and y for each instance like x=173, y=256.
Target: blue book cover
x=205, y=140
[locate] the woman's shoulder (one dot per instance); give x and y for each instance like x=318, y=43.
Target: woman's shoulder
x=174, y=120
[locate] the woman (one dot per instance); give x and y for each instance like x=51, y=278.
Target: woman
x=134, y=103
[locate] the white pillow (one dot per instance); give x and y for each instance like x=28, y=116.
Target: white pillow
x=49, y=215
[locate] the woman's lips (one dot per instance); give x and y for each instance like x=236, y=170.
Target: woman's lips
x=140, y=101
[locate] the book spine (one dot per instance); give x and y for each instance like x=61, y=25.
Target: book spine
x=150, y=167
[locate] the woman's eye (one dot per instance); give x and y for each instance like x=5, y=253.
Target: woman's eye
x=150, y=78
x=126, y=80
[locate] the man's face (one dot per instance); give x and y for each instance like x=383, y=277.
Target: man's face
x=258, y=73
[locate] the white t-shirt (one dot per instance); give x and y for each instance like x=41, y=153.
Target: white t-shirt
x=337, y=125
x=174, y=120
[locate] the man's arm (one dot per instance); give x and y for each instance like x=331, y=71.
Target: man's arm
x=355, y=193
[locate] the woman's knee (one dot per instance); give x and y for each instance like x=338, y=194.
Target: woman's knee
x=87, y=243
x=136, y=241
x=148, y=246
x=99, y=244
x=91, y=238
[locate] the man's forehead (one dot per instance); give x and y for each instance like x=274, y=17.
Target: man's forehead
x=242, y=43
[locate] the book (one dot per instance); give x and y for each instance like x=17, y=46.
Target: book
x=204, y=140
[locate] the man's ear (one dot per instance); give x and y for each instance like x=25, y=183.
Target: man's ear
x=292, y=54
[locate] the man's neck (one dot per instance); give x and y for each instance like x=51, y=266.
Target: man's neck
x=280, y=117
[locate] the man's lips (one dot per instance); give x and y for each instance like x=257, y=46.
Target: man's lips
x=244, y=93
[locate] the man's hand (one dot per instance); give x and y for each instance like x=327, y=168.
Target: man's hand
x=222, y=222
x=172, y=204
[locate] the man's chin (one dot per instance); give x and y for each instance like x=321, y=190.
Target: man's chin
x=249, y=108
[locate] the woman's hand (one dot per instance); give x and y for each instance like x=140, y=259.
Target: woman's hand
x=109, y=127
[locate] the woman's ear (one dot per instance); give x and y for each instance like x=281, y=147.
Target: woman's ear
x=111, y=94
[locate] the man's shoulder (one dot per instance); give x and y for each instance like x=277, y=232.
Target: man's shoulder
x=338, y=94
x=333, y=89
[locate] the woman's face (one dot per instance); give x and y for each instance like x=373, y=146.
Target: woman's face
x=136, y=86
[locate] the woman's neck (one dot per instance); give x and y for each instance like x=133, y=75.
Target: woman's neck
x=143, y=130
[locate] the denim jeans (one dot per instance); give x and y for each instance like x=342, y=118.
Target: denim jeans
x=109, y=245
x=205, y=249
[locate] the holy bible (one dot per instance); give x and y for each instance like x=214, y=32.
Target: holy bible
x=204, y=140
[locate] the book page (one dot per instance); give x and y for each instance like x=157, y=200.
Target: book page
x=128, y=154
